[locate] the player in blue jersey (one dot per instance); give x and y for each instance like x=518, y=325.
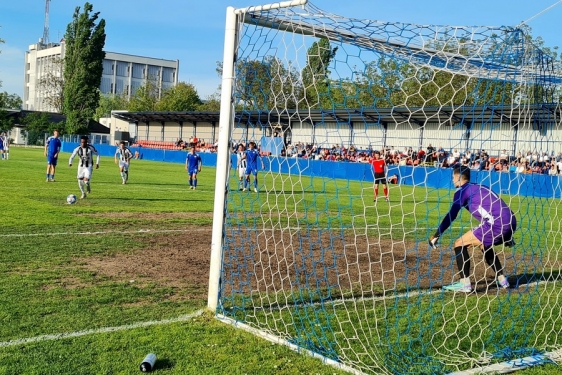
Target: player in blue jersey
x=4, y=146
x=52, y=150
x=193, y=165
x=251, y=156
x=497, y=224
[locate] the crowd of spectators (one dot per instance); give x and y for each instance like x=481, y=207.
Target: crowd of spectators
x=199, y=144
x=522, y=162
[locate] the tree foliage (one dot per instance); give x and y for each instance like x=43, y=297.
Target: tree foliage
x=8, y=101
x=36, y=125
x=51, y=84
x=315, y=75
x=182, y=97
x=110, y=103
x=146, y=97
x=83, y=68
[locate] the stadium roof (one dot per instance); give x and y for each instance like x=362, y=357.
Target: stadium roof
x=420, y=116
x=93, y=126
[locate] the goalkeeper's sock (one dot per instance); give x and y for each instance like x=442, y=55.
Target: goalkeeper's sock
x=386, y=192
x=493, y=260
x=463, y=261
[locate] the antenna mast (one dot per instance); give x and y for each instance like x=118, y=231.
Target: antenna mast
x=46, y=27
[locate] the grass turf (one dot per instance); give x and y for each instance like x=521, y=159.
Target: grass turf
x=46, y=289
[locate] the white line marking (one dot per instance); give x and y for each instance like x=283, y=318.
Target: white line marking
x=101, y=232
x=60, y=336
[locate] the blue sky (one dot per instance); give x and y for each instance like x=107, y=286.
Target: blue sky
x=193, y=31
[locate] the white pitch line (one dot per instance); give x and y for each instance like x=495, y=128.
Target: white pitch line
x=61, y=336
x=101, y=232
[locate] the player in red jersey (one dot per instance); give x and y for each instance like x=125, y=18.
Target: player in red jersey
x=379, y=167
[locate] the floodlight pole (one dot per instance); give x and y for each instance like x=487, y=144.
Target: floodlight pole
x=223, y=150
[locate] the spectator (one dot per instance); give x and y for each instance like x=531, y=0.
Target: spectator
x=430, y=153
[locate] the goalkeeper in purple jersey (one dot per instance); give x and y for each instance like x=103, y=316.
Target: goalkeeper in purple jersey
x=497, y=224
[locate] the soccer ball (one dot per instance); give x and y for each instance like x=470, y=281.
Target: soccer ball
x=71, y=199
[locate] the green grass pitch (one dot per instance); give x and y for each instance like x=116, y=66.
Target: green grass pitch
x=71, y=272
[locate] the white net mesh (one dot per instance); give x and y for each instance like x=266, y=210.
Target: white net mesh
x=311, y=258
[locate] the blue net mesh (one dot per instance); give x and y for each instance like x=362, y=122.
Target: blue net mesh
x=313, y=252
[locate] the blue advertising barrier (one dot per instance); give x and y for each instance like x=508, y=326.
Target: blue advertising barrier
x=531, y=185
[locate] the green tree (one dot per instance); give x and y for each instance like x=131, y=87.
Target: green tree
x=8, y=101
x=36, y=125
x=146, y=97
x=212, y=103
x=83, y=68
x=182, y=97
x=110, y=103
x=315, y=75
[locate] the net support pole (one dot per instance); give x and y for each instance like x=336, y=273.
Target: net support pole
x=223, y=151
x=223, y=155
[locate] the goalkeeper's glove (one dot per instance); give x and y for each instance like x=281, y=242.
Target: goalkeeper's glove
x=433, y=240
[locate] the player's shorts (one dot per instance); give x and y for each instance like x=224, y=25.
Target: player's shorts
x=85, y=172
x=249, y=171
x=193, y=171
x=380, y=178
x=241, y=172
x=51, y=160
x=495, y=234
x=124, y=165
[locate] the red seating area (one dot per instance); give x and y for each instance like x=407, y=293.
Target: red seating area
x=161, y=145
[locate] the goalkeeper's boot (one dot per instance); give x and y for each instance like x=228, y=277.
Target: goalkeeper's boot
x=503, y=284
x=458, y=287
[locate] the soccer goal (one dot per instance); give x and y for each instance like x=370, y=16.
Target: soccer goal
x=310, y=257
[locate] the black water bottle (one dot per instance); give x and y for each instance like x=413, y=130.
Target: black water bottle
x=148, y=362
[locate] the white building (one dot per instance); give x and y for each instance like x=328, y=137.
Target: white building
x=122, y=73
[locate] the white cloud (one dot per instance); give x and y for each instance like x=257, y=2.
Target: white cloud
x=12, y=62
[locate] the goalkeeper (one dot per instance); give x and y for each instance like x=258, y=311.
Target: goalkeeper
x=497, y=224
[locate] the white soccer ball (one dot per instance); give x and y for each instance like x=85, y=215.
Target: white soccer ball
x=71, y=199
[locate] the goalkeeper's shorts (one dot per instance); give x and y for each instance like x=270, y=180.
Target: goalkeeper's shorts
x=495, y=234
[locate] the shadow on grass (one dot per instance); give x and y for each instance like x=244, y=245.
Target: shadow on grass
x=526, y=279
x=163, y=364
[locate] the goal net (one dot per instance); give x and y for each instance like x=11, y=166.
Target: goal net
x=307, y=249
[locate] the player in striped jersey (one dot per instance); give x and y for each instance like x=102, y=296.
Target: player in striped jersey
x=85, y=153
x=241, y=164
x=379, y=168
x=123, y=156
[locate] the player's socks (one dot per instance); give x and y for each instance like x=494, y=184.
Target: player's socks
x=190, y=182
x=463, y=261
x=493, y=260
x=88, y=187
x=195, y=183
x=81, y=186
x=386, y=192
x=376, y=192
